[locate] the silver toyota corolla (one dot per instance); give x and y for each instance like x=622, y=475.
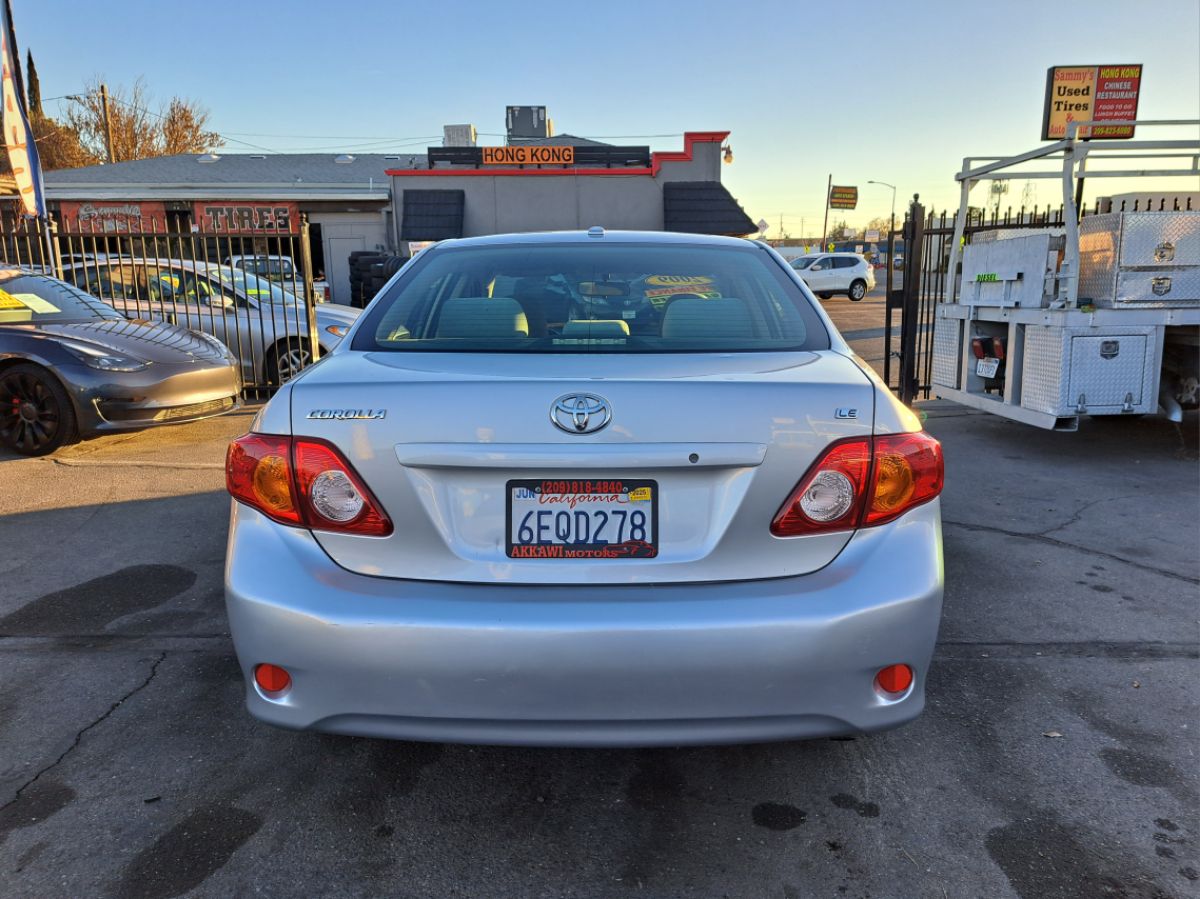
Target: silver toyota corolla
x=587, y=489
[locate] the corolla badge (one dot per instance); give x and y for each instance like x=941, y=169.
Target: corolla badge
x=347, y=414
x=580, y=413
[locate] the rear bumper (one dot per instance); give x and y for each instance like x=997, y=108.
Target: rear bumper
x=631, y=665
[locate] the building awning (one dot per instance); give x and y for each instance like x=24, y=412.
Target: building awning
x=432, y=214
x=703, y=207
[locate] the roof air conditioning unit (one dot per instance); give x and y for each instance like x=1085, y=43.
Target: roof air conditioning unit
x=459, y=136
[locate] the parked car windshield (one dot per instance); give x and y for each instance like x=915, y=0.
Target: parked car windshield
x=803, y=262
x=252, y=286
x=267, y=266
x=41, y=299
x=606, y=298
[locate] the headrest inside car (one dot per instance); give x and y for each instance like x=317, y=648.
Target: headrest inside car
x=482, y=317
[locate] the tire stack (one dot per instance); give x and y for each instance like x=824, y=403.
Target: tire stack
x=369, y=271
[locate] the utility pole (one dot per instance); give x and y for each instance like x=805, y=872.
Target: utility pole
x=108, y=141
x=825, y=227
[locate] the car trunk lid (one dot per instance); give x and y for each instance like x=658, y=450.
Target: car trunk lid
x=724, y=438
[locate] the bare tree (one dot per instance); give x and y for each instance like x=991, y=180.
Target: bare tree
x=183, y=129
x=880, y=223
x=59, y=146
x=139, y=130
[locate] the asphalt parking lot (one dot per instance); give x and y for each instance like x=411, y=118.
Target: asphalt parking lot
x=1057, y=756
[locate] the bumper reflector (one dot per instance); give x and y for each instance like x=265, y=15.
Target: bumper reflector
x=272, y=678
x=894, y=678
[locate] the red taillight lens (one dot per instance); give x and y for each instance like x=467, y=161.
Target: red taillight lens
x=977, y=348
x=863, y=482
x=831, y=495
x=303, y=482
x=336, y=499
x=998, y=347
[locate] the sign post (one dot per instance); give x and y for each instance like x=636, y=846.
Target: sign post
x=825, y=227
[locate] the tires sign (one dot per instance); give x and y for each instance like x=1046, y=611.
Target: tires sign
x=240, y=217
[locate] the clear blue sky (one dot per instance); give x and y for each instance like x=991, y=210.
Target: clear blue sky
x=806, y=89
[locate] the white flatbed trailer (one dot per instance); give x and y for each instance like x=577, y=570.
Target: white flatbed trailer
x=1099, y=317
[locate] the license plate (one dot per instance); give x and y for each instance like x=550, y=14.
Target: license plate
x=582, y=518
x=987, y=368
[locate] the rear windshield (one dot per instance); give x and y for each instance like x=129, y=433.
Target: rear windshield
x=581, y=298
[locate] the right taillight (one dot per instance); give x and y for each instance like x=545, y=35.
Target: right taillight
x=862, y=482
x=908, y=471
x=304, y=482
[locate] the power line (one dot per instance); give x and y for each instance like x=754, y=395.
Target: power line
x=370, y=137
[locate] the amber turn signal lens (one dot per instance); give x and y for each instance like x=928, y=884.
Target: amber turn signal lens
x=273, y=484
x=272, y=678
x=894, y=482
x=894, y=678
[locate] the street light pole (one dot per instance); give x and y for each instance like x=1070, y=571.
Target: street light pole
x=891, y=240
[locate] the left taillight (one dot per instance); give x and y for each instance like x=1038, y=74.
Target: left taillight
x=303, y=482
x=862, y=482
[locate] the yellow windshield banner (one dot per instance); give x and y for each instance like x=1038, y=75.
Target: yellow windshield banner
x=673, y=280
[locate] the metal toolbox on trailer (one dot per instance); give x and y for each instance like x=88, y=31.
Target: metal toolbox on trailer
x=1145, y=260
x=1099, y=371
x=1011, y=271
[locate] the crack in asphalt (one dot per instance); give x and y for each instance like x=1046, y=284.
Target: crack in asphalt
x=135, y=463
x=79, y=734
x=1077, y=515
x=1129, y=650
x=1039, y=537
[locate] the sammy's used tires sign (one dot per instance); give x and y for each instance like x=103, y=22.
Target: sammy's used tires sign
x=1091, y=94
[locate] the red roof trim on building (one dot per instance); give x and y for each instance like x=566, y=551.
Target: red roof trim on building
x=690, y=139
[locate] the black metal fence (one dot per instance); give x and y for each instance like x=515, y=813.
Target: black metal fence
x=256, y=296
x=926, y=281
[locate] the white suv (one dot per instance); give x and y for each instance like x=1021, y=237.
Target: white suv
x=830, y=273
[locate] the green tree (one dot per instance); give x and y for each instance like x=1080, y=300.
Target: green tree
x=33, y=86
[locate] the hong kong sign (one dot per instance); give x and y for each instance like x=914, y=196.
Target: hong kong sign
x=528, y=155
x=240, y=217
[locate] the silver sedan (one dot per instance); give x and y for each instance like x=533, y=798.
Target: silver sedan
x=264, y=325
x=587, y=489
